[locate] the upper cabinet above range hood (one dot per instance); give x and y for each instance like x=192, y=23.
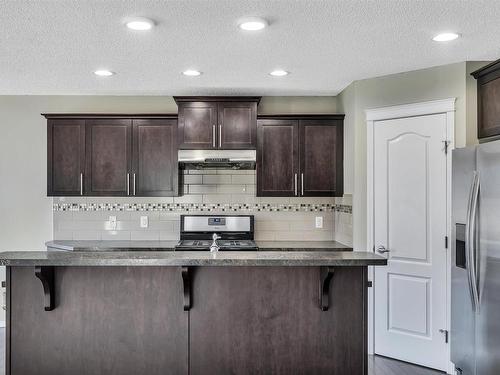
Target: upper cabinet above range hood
x=222, y=159
x=217, y=122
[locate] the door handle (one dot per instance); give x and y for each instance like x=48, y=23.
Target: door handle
x=295, y=184
x=470, y=240
x=81, y=183
x=382, y=250
x=213, y=136
x=128, y=183
x=474, y=242
x=134, y=183
x=302, y=183
x=220, y=135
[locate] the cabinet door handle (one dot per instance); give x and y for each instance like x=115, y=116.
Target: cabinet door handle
x=302, y=183
x=295, y=183
x=213, y=136
x=220, y=135
x=134, y=183
x=128, y=183
x=81, y=183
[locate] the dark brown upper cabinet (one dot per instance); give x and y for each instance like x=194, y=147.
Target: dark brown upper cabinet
x=237, y=125
x=109, y=157
x=277, y=158
x=197, y=125
x=112, y=155
x=488, y=100
x=217, y=122
x=300, y=156
x=65, y=156
x=155, y=167
x=321, y=158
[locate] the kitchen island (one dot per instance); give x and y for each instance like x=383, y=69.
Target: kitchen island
x=166, y=312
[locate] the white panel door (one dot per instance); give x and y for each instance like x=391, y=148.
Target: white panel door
x=410, y=223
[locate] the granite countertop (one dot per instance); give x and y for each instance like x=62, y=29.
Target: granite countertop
x=87, y=245
x=170, y=245
x=190, y=258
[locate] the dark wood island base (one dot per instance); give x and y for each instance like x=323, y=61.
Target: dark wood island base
x=186, y=320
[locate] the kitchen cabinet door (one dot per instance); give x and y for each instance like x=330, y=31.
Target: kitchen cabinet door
x=237, y=125
x=321, y=158
x=65, y=157
x=277, y=158
x=109, y=157
x=197, y=125
x=267, y=320
x=155, y=170
x=107, y=321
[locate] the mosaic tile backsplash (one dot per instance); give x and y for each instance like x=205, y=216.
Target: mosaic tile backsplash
x=207, y=191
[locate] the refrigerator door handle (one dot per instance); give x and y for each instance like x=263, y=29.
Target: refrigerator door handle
x=468, y=241
x=474, y=241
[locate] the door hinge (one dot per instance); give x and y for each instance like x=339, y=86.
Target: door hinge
x=446, y=145
x=445, y=332
x=446, y=242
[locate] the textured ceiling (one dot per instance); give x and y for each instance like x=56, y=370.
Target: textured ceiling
x=52, y=47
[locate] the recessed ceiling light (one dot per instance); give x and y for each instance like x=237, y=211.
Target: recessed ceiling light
x=191, y=73
x=279, y=73
x=252, y=23
x=139, y=23
x=104, y=73
x=445, y=37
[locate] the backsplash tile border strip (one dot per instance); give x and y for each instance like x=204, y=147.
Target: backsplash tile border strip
x=203, y=207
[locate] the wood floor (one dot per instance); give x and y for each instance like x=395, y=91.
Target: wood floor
x=378, y=365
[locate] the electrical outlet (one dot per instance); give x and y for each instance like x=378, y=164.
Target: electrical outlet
x=319, y=222
x=112, y=223
x=144, y=222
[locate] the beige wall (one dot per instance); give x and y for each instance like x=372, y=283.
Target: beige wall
x=428, y=84
x=298, y=104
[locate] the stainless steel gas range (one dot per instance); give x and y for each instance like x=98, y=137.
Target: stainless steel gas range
x=214, y=233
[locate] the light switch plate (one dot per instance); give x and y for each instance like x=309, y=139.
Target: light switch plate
x=112, y=223
x=319, y=222
x=144, y=222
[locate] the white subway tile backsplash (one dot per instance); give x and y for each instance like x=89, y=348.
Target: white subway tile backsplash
x=243, y=179
x=117, y=235
x=202, y=171
x=144, y=235
x=316, y=235
x=193, y=179
x=191, y=198
x=263, y=235
x=63, y=235
x=217, y=179
x=231, y=189
x=136, y=215
x=217, y=198
x=202, y=189
x=205, y=192
x=169, y=216
x=86, y=235
x=274, y=225
x=244, y=199
x=169, y=236
x=235, y=171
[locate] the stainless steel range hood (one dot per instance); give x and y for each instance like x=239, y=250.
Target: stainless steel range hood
x=212, y=159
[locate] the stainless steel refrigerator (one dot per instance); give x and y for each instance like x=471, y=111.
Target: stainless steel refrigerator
x=475, y=271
